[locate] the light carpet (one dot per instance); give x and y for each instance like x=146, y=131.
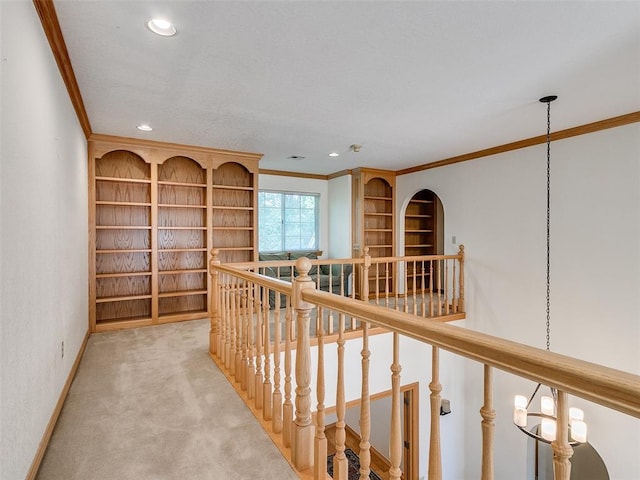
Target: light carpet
x=149, y=403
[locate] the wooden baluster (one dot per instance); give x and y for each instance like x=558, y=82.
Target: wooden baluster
x=320, y=442
x=353, y=286
x=340, y=463
x=377, y=284
x=387, y=287
x=446, y=286
x=562, y=451
x=423, y=308
x=267, y=405
x=415, y=286
x=221, y=313
x=461, y=280
x=302, y=453
x=488, y=425
x=439, y=284
x=228, y=320
x=239, y=370
x=431, y=288
x=392, y=292
x=330, y=320
x=287, y=406
x=319, y=309
x=395, y=446
x=454, y=281
x=365, y=275
x=244, y=332
x=251, y=353
x=257, y=381
x=365, y=408
x=233, y=323
x=214, y=313
x=435, y=458
x=276, y=416
x=222, y=333
x=405, y=280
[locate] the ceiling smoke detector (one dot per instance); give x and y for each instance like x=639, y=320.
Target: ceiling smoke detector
x=355, y=147
x=296, y=157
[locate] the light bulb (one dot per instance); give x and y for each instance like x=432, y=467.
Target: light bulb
x=520, y=401
x=579, y=431
x=548, y=428
x=547, y=405
x=576, y=414
x=520, y=417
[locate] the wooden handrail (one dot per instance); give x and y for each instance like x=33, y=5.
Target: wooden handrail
x=269, y=282
x=605, y=386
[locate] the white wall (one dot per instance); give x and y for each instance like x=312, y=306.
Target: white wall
x=340, y=211
x=303, y=185
x=43, y=221
x=496, y=206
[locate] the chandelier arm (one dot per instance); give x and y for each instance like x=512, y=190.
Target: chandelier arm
x=533, y=395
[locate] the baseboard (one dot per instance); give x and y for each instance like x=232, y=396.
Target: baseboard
x=35, y=465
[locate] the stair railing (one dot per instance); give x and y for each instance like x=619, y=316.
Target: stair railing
x=241, y=333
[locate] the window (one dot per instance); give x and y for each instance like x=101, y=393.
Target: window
x=287, y=221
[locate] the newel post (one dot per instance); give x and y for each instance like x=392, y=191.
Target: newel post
x=302, y=451
x=461, y=300
x=214, y=313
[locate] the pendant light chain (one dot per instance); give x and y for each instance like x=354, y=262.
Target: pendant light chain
x=548, y=225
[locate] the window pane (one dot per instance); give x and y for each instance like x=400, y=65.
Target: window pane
x=308, y=215
x=307, y=229
x=292, y=201
x=308, y=201
x=287, y=221
x=292, y=229
x=292, y=215
x=292, y=243
x=271, y=199
x=270, y=244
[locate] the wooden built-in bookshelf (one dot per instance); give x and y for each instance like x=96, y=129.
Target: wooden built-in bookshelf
x=156, y=211
x=374, y=219
x=420, y=225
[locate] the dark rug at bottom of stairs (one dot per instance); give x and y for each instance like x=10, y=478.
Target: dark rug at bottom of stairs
x=354, y=466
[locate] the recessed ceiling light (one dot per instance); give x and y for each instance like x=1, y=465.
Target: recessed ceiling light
x=334, y=154
x=162, y=27
x=144, y=127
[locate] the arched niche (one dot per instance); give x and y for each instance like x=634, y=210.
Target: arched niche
x=181, y=169
x=122, y=164
x=232, y=174
x=424, y=225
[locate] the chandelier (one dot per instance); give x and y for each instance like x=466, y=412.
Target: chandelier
x=545, y=429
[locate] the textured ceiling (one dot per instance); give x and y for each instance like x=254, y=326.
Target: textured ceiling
x=412, y=82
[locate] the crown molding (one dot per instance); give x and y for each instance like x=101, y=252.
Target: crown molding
x=282, y=173
x=49, y=19
x=341, y=173
x=528, y=142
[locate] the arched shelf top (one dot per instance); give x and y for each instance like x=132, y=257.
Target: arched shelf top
x=378, y=187
x=123, y=164
x=182, y=169
x=233, y=174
